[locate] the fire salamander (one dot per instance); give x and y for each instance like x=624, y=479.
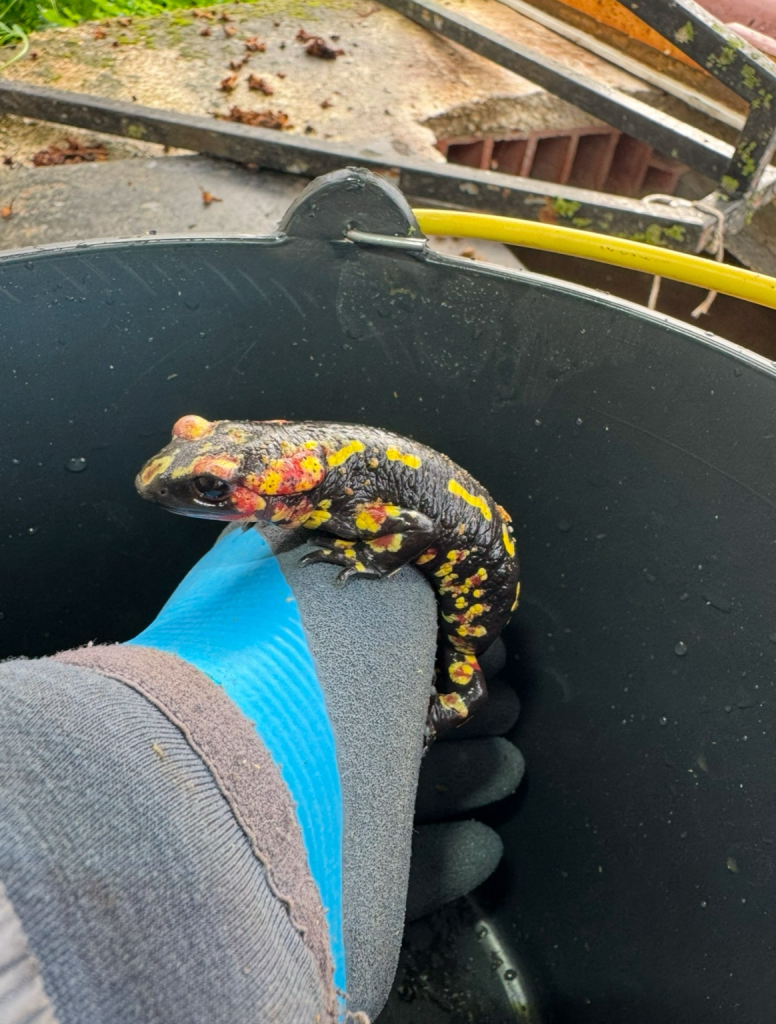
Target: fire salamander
x=386, y=501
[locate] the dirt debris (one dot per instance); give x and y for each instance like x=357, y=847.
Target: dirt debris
x=73, y=152
x=275, y=119
x=208, y=197
x=229, y=84
x=6, y=211
x=317, y=45
x=260, y=85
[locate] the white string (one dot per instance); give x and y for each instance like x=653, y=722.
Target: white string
x=717, y=244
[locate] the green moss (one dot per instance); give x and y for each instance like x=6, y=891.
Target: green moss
x=136, y=131
x=722, y=59
x=565, y=207
x=749, y=77
x=728, y=183
x=581, y=222
x=657, y=234
x=685, y=34
x=744, y=157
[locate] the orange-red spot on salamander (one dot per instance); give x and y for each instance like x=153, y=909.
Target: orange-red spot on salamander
x=191, y=428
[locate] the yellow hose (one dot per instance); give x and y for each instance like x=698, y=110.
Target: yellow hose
x=650, y=259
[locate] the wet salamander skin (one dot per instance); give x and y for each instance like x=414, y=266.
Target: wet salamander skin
x=385, y=500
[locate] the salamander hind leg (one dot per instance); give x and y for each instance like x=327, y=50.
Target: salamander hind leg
x=461, y=688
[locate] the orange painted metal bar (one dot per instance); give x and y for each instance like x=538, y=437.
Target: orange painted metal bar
x=615, y=15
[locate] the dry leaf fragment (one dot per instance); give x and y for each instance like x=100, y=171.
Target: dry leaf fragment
x=229, y=30
x=205, y=31
x=281, y=74
x=260, y=85
x=252, y=43
x=325, y=104
x=6, y=211
x=99, y=33
x=238, y=62
x=124, y=21
x=74, y=152
x=208, y=197
x=303, y=36
x=275, y=119
x=229, y=83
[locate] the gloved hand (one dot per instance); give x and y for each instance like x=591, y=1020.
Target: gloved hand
x=218, y=870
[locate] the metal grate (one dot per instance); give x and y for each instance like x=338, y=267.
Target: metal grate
x=597, y=157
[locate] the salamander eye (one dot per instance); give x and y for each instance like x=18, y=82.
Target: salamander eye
x=211, y=488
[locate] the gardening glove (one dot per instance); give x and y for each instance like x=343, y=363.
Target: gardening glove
x=174, y=850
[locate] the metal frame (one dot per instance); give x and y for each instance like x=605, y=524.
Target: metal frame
x=745, y=179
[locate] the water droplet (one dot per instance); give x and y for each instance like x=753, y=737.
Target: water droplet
x=510, y=975
x=772, y=637
x=2, y=616
x=482, y=932
x=32, y=529
x=16, y=462
x=77, y=465
x=738, y=372
x=579, y=421
x=537, y=423
x=663, y=720
x=684, y=596
x=704, y=903
x=680, y=648
x=564, y=525
x=732, y=865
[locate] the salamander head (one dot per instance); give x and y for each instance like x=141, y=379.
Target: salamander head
x=225, y=469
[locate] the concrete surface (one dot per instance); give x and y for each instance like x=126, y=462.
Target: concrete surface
x=164, y=195
x=396, y=88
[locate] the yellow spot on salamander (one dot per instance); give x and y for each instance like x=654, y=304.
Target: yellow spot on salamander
x=461, y=672
x=318, y=515
x=337, y=458
x=445, y=569
x=471, y=631
x=389, y=542
x=311, y=444
x=428, y=555
x=409, y=460
x=271, y=479
x=371, y=517
x=454, y=702
x=517, y=597
x=154, y=468
x=460, y=602
x=473, y=499
x=509, y=544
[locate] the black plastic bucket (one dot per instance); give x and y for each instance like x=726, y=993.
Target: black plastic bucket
x=637, y=456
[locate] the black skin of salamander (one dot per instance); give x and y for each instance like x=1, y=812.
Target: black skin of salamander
x=460, y=545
